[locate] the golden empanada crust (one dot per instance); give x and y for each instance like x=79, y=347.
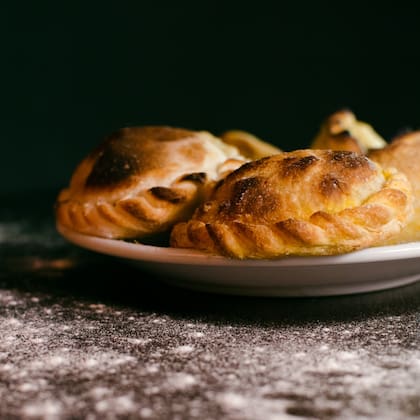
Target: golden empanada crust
x=306, y=202
x=403, y=153
x=249, y=145
x=342, y=131
x=141, y=180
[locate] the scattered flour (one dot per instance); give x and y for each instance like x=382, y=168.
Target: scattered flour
x=181, y=381
x=146, y=412
x=44, y=409
x=7, y=367
x=196, y=334
x=232, y=401
x=244, y=373
x=120, y=405
x=100, y=392
x=251, y=407
x=35, y=386
x=138, y=341
x=184, y=349
x=154, y=368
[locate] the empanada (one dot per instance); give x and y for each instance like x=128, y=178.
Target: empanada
x=342, y=131
x=249, y=145
x=305, y=202
x=403, y=153
x=141, y=180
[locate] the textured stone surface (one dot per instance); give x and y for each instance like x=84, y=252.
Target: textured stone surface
x=85, y=336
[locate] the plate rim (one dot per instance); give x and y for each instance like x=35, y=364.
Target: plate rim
x=155, y=254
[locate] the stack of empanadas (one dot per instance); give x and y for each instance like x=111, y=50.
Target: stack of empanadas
x=241, y=197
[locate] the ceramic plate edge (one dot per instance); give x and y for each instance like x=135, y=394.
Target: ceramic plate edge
x=119, y=248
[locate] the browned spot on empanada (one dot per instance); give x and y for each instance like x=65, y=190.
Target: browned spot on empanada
x=349, y=160
x=167, y=194
x=199, y=177
x=111, y=168
x=331, y=185
x=120, y=156
x=242, y=189
x=294, y=166
x=135, y=208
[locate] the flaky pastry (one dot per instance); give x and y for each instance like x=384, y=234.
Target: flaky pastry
x=249, y=145
x=141, y=180
x=342, y=131
x=403, y=153
x=306, y=202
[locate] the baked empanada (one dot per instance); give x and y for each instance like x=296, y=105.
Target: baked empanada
x=141, y=180
x=249, y=145
x=306, y=202
x=342, y=131
x=403, y=153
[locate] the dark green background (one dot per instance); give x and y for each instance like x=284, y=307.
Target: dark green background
x=73, y=73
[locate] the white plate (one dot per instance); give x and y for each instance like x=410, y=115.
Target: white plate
x=356, y=272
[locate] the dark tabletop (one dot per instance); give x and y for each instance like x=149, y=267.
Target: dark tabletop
x=83, y=335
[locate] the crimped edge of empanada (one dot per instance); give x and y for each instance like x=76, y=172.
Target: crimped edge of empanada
x=382, y=215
